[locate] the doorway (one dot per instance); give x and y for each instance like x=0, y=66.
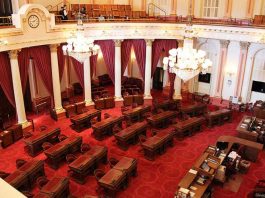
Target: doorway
x=158, y=79
x=27, y=98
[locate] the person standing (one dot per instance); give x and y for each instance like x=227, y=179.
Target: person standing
x=65, y=13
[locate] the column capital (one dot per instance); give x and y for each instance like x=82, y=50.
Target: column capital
x=244, y=45
x=13, y=53
x=149, y=42
x=180, y=43
x=118, y=42
x=224, y=43
x=53, y=47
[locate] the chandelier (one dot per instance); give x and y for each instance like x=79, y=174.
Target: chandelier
x=186, y=62
x=80, y=47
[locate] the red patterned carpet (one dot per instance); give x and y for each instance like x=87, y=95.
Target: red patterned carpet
x=155, y=179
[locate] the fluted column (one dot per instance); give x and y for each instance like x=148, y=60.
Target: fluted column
x=177, y=87
x=87, y=83
x=15, y=6
x=250, y=8
x=56, y=79
x=228, y=8
x=148, y=65
x=118, y=70
x=220, y=74
x=19, y=100
x=173, y=10
x=241, y=67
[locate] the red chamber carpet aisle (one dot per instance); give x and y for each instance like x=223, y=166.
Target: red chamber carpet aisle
x=155, y=179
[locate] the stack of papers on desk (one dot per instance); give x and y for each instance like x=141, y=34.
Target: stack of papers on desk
x=192, y=171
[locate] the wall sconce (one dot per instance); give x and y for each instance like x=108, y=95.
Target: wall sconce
x=3, y=42
x=230, y=71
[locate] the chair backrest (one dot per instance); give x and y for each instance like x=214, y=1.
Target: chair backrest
x=112, y=162
x=70, y=158
x=85, y=147
x=142, y=139
x=98, y=173
x=42, y=181
x=20, y=162
x=46, y=145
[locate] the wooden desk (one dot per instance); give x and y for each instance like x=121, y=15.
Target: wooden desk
x=193, y=110
x=161, y=119
x=57, y=187
x=16, y=131
x=167, y=105
x=197, y=96
x=100, y=153
x=136, y=114
x=100, y=129
x=58, y=152
x=18, y=180
x=244, y=131
x=113, y=181
x=130, y=134
x=252, y=148
x=219, y=117
x=83, y=119
x=34, y=143
x=25, y=177
x=127, y=165
x=152, y=146
x=187, y=127
x=33, y=169
x=81, y=167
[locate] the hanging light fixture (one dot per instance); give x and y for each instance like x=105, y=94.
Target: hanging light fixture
x=186, y=62
x=79, y=47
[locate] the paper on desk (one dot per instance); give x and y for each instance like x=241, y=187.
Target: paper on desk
x=193, y=171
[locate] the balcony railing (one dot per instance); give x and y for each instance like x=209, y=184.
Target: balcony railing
x=5, y=21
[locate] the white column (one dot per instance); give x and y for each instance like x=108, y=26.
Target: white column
x=56, y=79
x=15, y=6
x=177, y=87
x=19, y=100
x=148, y=65
x=32, y=80
x=118, y=70
x=87, y=83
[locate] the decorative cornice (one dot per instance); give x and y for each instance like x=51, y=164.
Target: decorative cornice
x=244, y=45
x=118, y=42
x=13, y=54
x=149, y=42
x=224, y=43
x=53, y=47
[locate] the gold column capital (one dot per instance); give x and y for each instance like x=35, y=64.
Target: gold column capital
x=53, y=47
x=244, y=45
x=13, y=53
x=149, y=42
x=118, y=42
x=224, y=43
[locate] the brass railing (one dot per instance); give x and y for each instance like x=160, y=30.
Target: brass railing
x=6, y=21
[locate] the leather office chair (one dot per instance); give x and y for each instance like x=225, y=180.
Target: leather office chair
x=3, y=174
x=27, y=135
x=106, y=115
x=98, y=173
x=42, y=181
x=116, y=129
x=62, y=137
x=70, y=158
x=46, y=145
x=20, y=162
x=112, y=162
x=84, y=148
x=134, y=105
x=43, y=128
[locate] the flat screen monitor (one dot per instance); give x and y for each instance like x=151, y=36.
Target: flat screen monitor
x=222, y=145
x=205, y=78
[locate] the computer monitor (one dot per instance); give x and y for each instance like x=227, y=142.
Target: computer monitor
x=222, y=145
